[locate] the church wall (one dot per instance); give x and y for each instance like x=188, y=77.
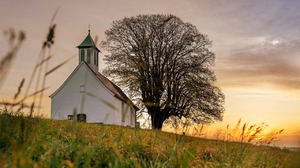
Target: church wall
x=118, y=111
x=125, y=116
x=84, y=93
x=129, y=120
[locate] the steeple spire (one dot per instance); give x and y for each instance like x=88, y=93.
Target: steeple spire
x=89, y=29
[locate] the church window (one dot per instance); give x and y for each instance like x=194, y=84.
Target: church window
x=82, y=88
x=89, y=56
x=82, y=55
x=70, y=117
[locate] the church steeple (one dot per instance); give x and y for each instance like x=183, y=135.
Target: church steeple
x=88, y=52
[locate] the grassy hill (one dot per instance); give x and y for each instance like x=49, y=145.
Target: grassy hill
x=34, y=142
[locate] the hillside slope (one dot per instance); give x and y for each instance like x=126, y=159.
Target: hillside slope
x=33, y=142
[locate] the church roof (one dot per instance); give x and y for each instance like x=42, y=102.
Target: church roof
x=88, y=42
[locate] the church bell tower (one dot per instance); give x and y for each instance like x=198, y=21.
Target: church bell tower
x=89, y=53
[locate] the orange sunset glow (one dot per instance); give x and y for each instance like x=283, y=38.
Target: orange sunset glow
x=257, y=47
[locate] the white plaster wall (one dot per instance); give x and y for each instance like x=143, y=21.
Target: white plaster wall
x=127, y=115
x=132, y=115
x=118, y=111
x=127, y=110
x=96, y=102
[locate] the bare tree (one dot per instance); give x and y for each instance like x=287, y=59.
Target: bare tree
x=168, y=64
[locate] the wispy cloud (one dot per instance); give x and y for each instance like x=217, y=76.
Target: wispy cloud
x=272, y=61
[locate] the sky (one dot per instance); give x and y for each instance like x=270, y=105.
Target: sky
x=257, y=47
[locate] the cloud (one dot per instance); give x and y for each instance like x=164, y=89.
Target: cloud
x=262, y=62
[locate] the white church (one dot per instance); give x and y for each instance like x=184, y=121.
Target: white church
x=88, y=96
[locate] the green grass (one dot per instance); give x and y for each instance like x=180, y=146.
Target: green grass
x=36, y=142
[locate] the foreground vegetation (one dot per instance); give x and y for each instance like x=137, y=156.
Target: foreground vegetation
x=35, y=142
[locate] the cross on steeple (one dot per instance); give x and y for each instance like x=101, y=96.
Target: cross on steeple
x=89, y=28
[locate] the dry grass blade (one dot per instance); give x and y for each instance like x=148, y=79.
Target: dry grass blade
x=53, y=17
x=271, y=140
x=237, y=125
x=19, y=88
x=22, y=105
x=279, y=132
x=33, y=73
x=43, y=61
x=7, y=60
x=105, y=118
x=5, y=103
x=4, y=65
x=38, y=75
x=199, y=131
x=58, y=66
x=43, y=85
x=55, y=68
x=243, y=132
x=33, y=94
x=251, y=127
x=31, y=109
x=49, y=42
x=39, y=65
x=101, y=100
x=254, y=135
x=37, y=92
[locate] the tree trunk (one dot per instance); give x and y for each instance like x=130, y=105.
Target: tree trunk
x=157, y=119
x=156, y=123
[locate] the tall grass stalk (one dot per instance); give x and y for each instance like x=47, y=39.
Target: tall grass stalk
x=31, y=100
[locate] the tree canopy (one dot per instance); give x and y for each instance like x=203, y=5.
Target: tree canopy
x=168, y=64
